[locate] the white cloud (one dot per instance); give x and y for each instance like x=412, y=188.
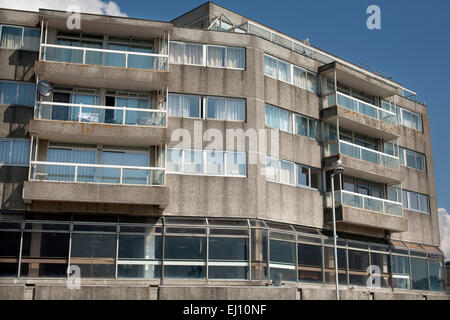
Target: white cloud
x=444, y=226
x=110, y=8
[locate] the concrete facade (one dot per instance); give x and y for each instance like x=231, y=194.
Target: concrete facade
x=200, y=196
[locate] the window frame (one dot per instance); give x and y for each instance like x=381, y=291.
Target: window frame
x=10, y=142
x=22, y=43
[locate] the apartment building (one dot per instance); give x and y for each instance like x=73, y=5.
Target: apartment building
x=193, y=159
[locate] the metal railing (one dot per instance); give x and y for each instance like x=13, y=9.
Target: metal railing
x=95, y=173
x=100, y=114
x=104, y=57
x=348, y=102
x=362, y=153
x=369, y=203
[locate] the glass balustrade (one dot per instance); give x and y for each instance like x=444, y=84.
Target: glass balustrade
x=360, y=201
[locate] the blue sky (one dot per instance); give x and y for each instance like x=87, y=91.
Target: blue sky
x=413, y=46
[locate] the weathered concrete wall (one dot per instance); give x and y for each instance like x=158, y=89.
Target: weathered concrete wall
x=227, y=293
x=95, y=293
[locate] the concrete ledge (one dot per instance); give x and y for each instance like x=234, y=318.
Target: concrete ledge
x=110, y=134
x=95, y=293
x=74, y=74
x=355, y=216
x=359, y=122
x=96, y=193
x=12, y=292
x=227, y=293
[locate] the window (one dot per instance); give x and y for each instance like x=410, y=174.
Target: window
x=9, y=253
x=281, y=70
x=225, y=109
x=185, y=257
x=437, y=275
x=185, y=106
x=216, y=56
x=293, y=174
x=309, y=263
x=306, y=126
x=419, y=274
x=228, y=258
x=282, y=260
x=330, y=274
x=416, y=201
x=358, y=262
x=23, y=38
x=14, y=152
x=17, y=93
x=382, y=261
x=278, y=118
x=412, y=159
x=206, y=162
x=408, y=118
x=400, y=272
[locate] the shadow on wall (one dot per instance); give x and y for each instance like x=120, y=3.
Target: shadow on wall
x=23, y=62
x=11, y=186
x=18, y=119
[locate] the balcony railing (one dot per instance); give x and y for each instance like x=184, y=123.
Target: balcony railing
x=100, y=114
x=104, y=57
x=94, y=173
x=362, y=107
x=369, y=203
x=362, y=153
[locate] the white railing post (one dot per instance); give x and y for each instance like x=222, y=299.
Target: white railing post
x=76, y=174
x=84, y=56
x=121, y=176
x=79, y=113
x=126, y=60
x=124, y=114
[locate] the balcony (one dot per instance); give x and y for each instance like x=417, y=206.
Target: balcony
x=80, y=123
x=77, y=182
x=360, y=116
x=81, y=66
x=363, y=162
x=358, y=209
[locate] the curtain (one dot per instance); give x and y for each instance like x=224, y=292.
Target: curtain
x=270, y=66
x=11, y=37
x=284, y=71
x=301, y=125
x=313, y=129
x=176, y=53
x=312, y=82
x=235, y=58
x=272, y=116
x=191, y=106
x=116, y=59
x=174, y=106
x=272, y=169
x=299, y=77
x=4, y=151
x=142, y=62
x=286, y=172
x=20, y=152
x=63, y=54
x=216, y=56
x=235, y=109
x=93, y=57
x=193, y=53
x=31, y=39
x=26, y=94
x=285, y=121
x=215, y=108
x=58, y=172
x=8, y=92
x=85, y=114
x=214, y=162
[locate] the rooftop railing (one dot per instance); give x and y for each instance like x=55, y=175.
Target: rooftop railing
x=100, y=114
x=104, y=57
x=348, y=102
x=360, y=201
x=98, y=174
x=362, y=153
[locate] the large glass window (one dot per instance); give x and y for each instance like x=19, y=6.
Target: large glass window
x=412, y=159
x=358, y=263
x=400, y=271
x=330, y=277
x=416, y=201
x=225, y=109
x=140, y=256
x=186, y=106
x=185, y=257
x=23, y=38
x=419, y=274
x=221, y=163
x=228, y=258
x=437, y=275
x=282, y=261
x=9, y=253
x=94, y=254
x=382, y=262
x=14, y=152
x=17, y=93
x=309, y=263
